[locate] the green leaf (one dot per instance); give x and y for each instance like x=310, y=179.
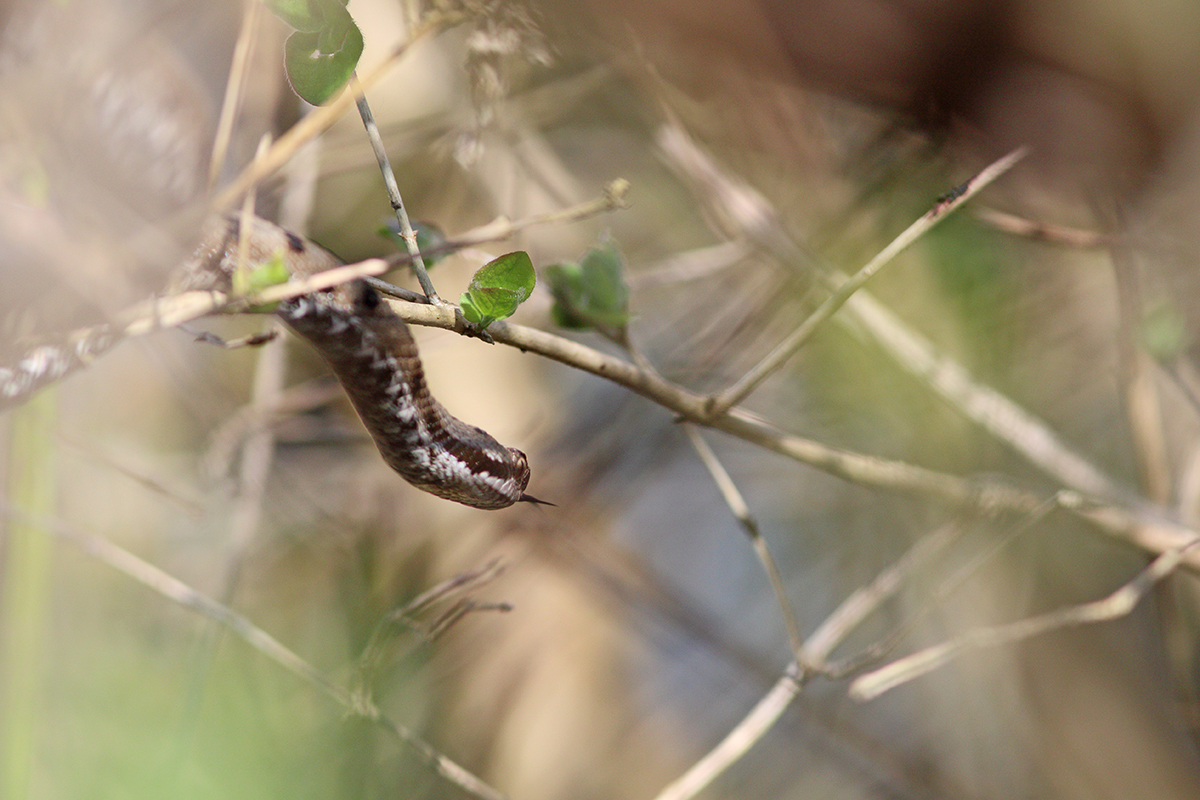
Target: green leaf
x=472, y=314
x=566, y=284
x=306, y=15
x=511, y=271
x=320, y=62
x=297, y=13
x=604, y=288
x=592, y=293
x=271, y=272
x=498, y=288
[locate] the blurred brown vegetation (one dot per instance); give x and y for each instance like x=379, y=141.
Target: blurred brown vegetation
x=643, y=629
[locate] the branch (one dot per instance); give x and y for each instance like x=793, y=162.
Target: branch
x=1117, y=604
x=752, y=217
x=48, y=363
x=741, y=512
x=393, y=190
x=1136, y=523
x=788, y=347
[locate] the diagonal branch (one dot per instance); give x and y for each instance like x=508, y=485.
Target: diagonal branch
x=741, y=512
x=179, y=592
x=788, y=347
x=393, y=190
x=1116, y=605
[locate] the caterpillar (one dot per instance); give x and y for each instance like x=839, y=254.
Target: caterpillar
x=374, y=356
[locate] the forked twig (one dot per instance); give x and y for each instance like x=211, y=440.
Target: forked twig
x=817, y=648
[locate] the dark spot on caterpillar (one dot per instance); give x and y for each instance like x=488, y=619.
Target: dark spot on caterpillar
x=295, y=243
x=368, y=296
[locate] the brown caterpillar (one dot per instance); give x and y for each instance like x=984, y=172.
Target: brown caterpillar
x=375, y=358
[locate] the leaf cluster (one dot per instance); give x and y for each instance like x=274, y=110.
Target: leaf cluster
x=592, y=293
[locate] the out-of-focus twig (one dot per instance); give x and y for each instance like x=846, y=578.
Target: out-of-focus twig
x=741, y=512
x=816, y=649
x=178, y=592
x=1116, y=605
x=788, y=347
x=1040, y=231
x=234, y=87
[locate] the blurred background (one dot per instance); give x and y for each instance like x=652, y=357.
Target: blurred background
x=642, y=627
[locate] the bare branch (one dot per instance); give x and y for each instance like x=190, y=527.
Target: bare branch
x=48, y=363
x=788, y=347
x=1134, y=522
x=393, y=191
x=741, y=512
x=753, y=218
x=1117, y=604
x=1040, y=231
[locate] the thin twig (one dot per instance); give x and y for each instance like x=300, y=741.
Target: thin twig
x=234, y=87
x=739, y=740
x=1116, y=605
x=692, y=265
x=863, y=601
x=1136, y=372
x=994, y=412
x=614, y=198
x=393, y=191
x=227, y=439
x=741, y=512
x=167, y=312
x=881, y=648
x=788, y=347
x=178, y=592
x=1041, y=231
x=450, y=588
